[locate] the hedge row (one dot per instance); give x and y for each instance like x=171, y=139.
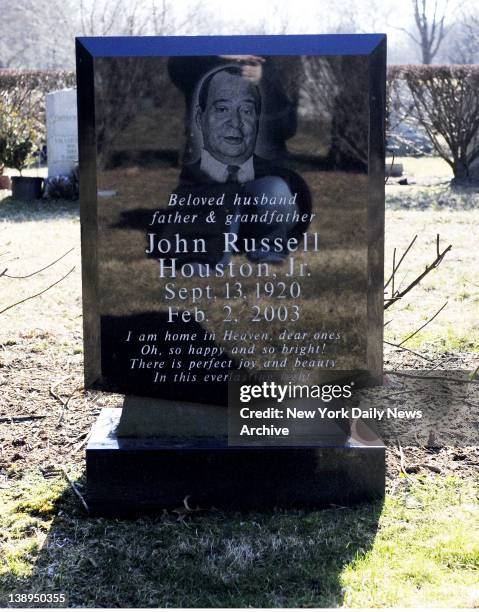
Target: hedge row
x=23, y=91
x=42, y=80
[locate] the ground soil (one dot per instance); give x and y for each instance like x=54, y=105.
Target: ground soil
x=46, y=415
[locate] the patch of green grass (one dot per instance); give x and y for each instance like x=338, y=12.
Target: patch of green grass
x=419, y=549
x=426, y=554
x=28, y=513
x=451, y=339
x=41, y=347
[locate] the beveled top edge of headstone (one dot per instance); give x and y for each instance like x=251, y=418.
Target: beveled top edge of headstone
x=293, y=44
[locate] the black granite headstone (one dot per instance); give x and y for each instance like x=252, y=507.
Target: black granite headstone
x=232, y=210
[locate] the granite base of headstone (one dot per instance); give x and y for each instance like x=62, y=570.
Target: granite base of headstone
x=132, y=475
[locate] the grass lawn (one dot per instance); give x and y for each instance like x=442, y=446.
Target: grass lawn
x=419, y=548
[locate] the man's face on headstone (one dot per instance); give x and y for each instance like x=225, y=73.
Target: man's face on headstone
x=229, y=121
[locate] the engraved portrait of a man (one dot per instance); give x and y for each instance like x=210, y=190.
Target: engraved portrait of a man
x=228, y=112
x=260, y=204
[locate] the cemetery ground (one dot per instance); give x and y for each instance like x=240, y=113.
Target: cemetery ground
x=419, y=548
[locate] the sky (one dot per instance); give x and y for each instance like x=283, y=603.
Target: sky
x=305, y=13
x=317, y=16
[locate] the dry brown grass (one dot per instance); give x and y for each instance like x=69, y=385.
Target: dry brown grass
x=455, y=281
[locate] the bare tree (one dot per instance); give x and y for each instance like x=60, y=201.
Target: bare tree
x=166, y=20
x=108, y=18
x=36, y=35
x=41, y=34
x=430, y=29
x=332, y=90
x=465, y=48
x=139, y=18
x=121, y=86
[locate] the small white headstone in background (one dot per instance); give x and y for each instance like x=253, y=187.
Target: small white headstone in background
x=62, y=131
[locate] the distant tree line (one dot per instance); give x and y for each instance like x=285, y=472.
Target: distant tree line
x=41, y=33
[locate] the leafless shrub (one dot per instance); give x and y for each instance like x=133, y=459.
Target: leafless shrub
x=444, y=100
x=334, y=87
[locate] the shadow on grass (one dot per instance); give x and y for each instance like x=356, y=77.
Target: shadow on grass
x=19, y=211
x=211, y=559
x=437, y=199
